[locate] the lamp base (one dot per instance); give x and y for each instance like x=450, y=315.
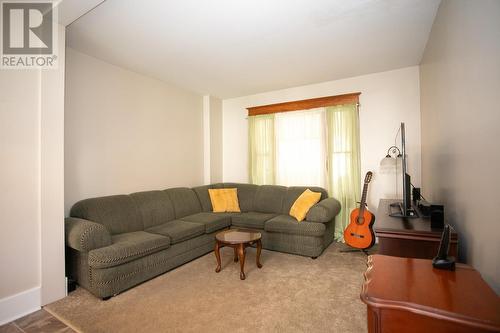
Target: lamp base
x=447, y=263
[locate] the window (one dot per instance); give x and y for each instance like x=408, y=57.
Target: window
x=317, y=145
x=300, y=148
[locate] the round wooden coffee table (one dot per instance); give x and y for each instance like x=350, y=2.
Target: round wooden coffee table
x=239, y=240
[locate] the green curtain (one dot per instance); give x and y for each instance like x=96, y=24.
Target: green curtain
x=261, y=149
x=343, y=161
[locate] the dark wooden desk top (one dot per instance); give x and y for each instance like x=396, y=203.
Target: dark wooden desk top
x=461, y=296
x=420, y=226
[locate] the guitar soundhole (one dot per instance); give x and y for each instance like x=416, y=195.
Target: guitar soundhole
x=357, y=235
x=360, y=220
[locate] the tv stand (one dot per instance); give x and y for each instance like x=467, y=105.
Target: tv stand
x=408, y=237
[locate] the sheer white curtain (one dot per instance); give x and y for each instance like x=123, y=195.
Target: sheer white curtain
x=261, y=150
x=300, y=148
x=344, y=161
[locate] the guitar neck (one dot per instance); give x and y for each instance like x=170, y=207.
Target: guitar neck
x=363, y=199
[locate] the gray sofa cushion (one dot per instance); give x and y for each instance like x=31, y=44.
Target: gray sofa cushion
x=184, y=200
x=324, y=211
x=204, y=197
x=246, y=195
x=289, y=225
x=211, y=221
x=269, y=199
x=127, y=247
x=117, y=213
x=293, y=192
x=155, y=207
x=178, y=230
x=253, y=220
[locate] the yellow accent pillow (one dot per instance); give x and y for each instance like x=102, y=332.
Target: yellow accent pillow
x=224, y=200
x=303, y=203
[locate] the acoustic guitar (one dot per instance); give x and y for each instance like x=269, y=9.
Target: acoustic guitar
x=359, y=233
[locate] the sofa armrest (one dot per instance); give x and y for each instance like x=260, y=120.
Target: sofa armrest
x=324, y=211
x=84, y=235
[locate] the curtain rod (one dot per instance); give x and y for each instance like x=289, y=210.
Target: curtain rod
x=305, y=104
x=358, y=105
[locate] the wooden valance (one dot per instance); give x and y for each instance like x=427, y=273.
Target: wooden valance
x=304, y=104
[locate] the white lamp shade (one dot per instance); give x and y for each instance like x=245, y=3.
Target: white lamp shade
x=388, y=165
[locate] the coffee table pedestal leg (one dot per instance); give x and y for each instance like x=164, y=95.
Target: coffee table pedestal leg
x=241, y=258
x=217, y=255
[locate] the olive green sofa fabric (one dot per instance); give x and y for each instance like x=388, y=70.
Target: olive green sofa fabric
x=116, y=242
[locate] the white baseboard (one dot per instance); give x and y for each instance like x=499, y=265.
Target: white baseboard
x=19, y=305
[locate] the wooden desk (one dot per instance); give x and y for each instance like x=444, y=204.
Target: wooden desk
x=410, y=237
x=409, y=295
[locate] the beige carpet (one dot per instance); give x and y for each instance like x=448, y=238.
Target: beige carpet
x=289, y=294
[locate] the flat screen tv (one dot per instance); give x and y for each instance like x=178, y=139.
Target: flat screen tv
x=404, y=207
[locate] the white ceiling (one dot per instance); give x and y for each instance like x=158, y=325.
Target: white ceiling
x=230, y=48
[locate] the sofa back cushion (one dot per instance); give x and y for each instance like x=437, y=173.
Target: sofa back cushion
x=246, y=195
x=269, y=199
x=184, y=200
x=293, y=192
x=154, y=207
x=203, y=197
x=118, y=213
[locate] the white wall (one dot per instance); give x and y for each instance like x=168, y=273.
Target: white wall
x=386, y=99
x=20, y=181
x=460, y=85
x=212, y=139
x=206, y=139
x=32, y=179
x=52, y=179
x=126, y=132
x=215, y=140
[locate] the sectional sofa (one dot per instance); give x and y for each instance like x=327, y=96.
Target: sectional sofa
x=116, y=242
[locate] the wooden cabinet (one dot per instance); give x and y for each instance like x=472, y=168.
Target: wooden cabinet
x=410, y=237
x=409, y=295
